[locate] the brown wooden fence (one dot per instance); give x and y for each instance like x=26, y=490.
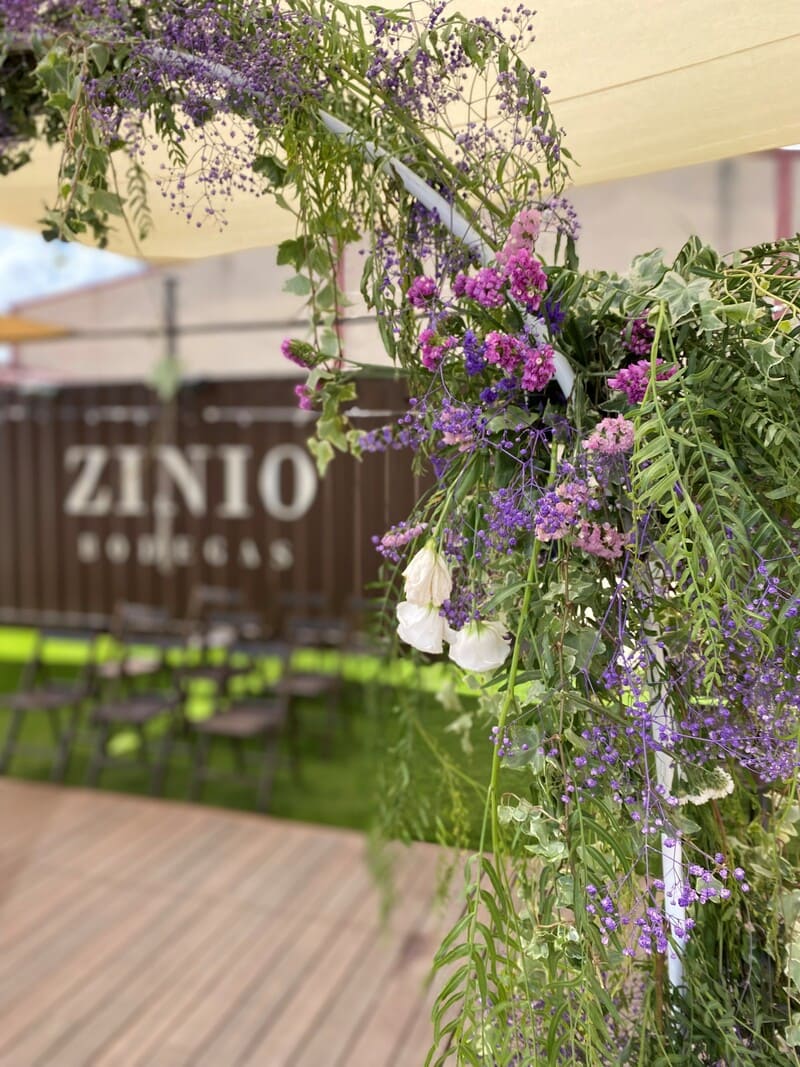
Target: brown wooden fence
x=106, y=495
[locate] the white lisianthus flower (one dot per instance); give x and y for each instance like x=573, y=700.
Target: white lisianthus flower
x=480, y=646
x=428, y=578
x=421, y=626
x=718, y=784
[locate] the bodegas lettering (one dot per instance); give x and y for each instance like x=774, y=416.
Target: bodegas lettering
x=134, y=481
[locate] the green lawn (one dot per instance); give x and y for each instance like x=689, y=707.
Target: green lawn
x=381, y=758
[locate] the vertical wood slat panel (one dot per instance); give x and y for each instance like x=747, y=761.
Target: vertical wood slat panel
x=8, y=495
x=41, y=576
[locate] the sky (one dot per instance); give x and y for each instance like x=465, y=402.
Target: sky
x=31, y=267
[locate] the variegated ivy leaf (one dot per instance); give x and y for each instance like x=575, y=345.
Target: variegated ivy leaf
x=681, y=296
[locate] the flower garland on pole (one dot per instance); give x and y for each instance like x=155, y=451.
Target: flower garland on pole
x=611, y=547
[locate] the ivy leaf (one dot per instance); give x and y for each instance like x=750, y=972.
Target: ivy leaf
x=322, y=452
x=103, y=200
x=647, y=270
x=710, y=312
x=681, y=296
x=292, y=252
x=299, y=285
x=269, y=168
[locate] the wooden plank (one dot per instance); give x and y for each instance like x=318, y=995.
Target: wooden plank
x=352, y=935
x=404, y=996
x=345, y=1011
x=276, y=980
x=140, y=933
x=210, y=1009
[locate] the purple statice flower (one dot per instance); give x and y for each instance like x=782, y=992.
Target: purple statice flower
x=305, y=397
x=422, y=291
x=611, y=436
x=633, y=379
x=505, y=351
x=300, y=353
x=539, y=368
x=522, y=233
x=559, y=215
x=434, y=348
x=558, y=510
x=474, y=362
x=600, y=539
x=527, y=281
x=556, y=515
x=554, y=315
x=638, y=336
x=459, y=426
x=485, y=288
x=508, y=517
x=398, y=537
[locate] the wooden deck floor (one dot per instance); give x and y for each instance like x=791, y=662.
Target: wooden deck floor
x=141, y=933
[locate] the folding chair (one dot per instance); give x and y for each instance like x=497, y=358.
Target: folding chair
x=143, y=635
x=43, y=691
x=245, y=722
x=307, y=627
x=138, y=688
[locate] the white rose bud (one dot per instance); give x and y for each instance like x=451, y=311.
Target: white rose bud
x=480, y=646
x=428, y=578
x=420, y=626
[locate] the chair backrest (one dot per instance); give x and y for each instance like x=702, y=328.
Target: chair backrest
x=309, y=622
x=208, y=598
x=48, y=654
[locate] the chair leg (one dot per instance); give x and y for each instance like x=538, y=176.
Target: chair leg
x=202, y=746
x=293, y=744
x=161, y=763
x=239, y=758
x=64, y=745
x=99, y=755
x=10, y=743
x=267, y=776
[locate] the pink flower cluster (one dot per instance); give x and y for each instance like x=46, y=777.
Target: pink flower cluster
x=422, y=291
x=522, y=233
x=485, y=287
x=611, y=436
x=600, y=539
x=633, y=379
x=505, y=351
x=434, y=348
x=539, y=368
x=527, y=281
x=400, y=535
x=305, y=397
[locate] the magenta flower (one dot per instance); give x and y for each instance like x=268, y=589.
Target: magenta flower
x=485, y=288
x=305, y=397
x=539, y=368
x=523, y=232
x=421, y=291
x=632, y=380
x=505, y=351
x=527, y=281
x=434, y=348
x=300, y=353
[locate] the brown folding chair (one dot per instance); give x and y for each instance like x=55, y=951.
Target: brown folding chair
x=43, y=690
x=142, y=636
x=138, y=688
x=309, y=626
x=246, y=723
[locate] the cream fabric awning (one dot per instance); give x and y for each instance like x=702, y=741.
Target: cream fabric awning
x=638, y=85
